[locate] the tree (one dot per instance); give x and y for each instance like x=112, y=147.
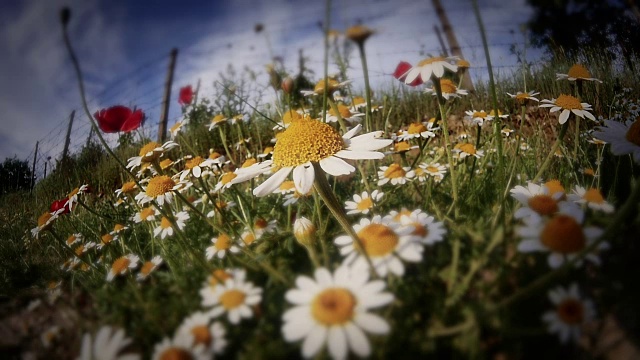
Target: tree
x=573, y=25
x=14, y=175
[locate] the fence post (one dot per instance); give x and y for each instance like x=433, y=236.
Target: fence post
x=453, y=41
x=33, y=168
x=164, y=114
x=67, y=140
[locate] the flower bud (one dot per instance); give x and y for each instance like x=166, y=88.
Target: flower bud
x=287, y=85
x=304, y=231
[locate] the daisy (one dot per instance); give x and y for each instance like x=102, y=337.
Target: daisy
x=175, y=129
x=333, y=86
x=522, y=98
x=73, y=195
x=122, y=265
x=358, y=103
x=160, y=188
x=195, y=166
x=107, y=345
x=449, y=90
x=234, y=297
x=562, y=235
x=166, y=228
x=554, y=187
x=463, y=150
x=362, y=204
x=333, y=310
x=309, y=141
x=435, y=170
x=577, y=72
x=221, y=245
x=425, y=229
x=201, y=331
x=149, y=153
x=623, y=137
x=216, y=121
x=118, y=228
x=477, y=117
x=127, y=188
x=395, y=174
x=345, y=114
x=430, y=68
x=106, y=239
x=74, y=238
x=45, y=222
x=500, y=114
x=568, y=104
x=417, y=130
x=401, y=147
x=179, y=347
x=145, y=214
x=148, y=267
x=571, y=313
x=304, y=231
x=506, y=132
x=537, y=201
x=385, y=242
x=262, y=226
x=592, y=198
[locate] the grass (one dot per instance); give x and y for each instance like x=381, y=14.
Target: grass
x=470, y=295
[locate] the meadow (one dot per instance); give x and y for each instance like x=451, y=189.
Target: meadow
x=414, y=220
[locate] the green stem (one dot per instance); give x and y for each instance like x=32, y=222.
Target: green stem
x=367, y=88
x=547, y=161
x=447, y=144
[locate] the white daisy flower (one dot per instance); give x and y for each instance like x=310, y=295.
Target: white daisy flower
x=160, y=188
x=592, y=198
x=568, y=104
x=234, y=297
x=145, y=214
x=363, y=203
x=216, y=121
x=333, y=86
x=307, y=141
x=148, y=267
x=478, y=117
x=202, y=332
x=434, y=170
x=221, y=245
x=73, y=195
x=395, y=174
x=122, y=265
x=165, y=228
x=107, y=345
x=522, y=97
x=149, y=153
x=417, y=130
x=181, y=346
x=425, y=227
x=74, y=239
x=345, y=114
x=430, y=68
x=577, y=72
x=45, y=221
x=537, y=201
x=571, y=313
x=333, y=310
x=385, y=241
x=449, y=90
x=462, y=150
x=623, y=137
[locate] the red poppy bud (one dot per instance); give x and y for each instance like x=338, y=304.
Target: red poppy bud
x=186, y=95
x=119, y=119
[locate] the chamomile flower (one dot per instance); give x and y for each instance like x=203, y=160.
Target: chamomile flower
x=262, y=226
x=127, y=188
x=562, y=235
x=45, y=222
x=148, y=267
x=537, y=201
x=345, y=114
x=235, y=297
x=149, y=153
x=198, y=327
x=165, y=228
x=623, y=137
x=417, y=130
x=145, y=214
x=221, y=245
x=500, y=114
x=107, y=239
x=571, y=312
x=107, y=345
x=334, y=310
x=386, y=242
x=430, y=68
x=577, y=72
x=216, y=121
x=73, y=195
x=425, y=227
x=175, y=129
x=160, y=188
x=74, y=239
x=463, y=150
x=332, y=86
x=181, y=346
x=449, y=90
x=592, y=198
x=395, y=174
x=477, y=117
x=363, y=203
x=309, y=141
x=522, y=97
x=568, y=104
x=435, y=170
x=122, y=265
x=194, y=166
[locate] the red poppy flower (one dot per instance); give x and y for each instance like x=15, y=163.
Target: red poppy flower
x=401, y=73
x=119, y=119
x=60, y=204
x=186, y=95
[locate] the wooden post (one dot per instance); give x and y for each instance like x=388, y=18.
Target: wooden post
x=33, y=168
x=441, y=40
x=67, y=140
x=164, y=115
x=453, y=42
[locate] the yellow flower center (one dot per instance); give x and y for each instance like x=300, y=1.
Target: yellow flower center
x=378, y=239
x=174, y=353
x=220, y=204
x=571, y=311
x=73, y=192
x=522, y=97
x=218, y=119
x=563, y=234
x=164, y=164
x=260, y=223
x=464, y=64
x=291, y=116
x=466, y=148
x=357, y=100
x=402, y=146
x=231, y=299
x=593, y=196
x=147, y=213
x=433, y=170
x=343, y=110
x=554, y=187
x=633, y=134
x=589, y=171
x=128, y=187
x=201, y=335
x=416, y=128
x=319, y=88
x=479, y=114
x=223, y=242
x=568, y=102
x=147, y=268
x=121, y=264
x=191, y=163
x=107, y=238
x=431, y=60
x=394, y=171
x=333, y=306
x=79, y=250
x=148, y=148
x=159, y=185
x=365, y=204
x=118, y=227
x=218, y=276
x=249, y=238
x=287, y=185
x=249, y=162
x=227, y=177
x=165, y=223
x=578, y=71
x=71, y=239
x=447, y=86
x=304, y=141
x=493, y=113
x=544, y=205
x=176, y=127
x=358, y=33
x=214, y=155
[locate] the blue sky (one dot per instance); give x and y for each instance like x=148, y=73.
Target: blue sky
x=123, y=47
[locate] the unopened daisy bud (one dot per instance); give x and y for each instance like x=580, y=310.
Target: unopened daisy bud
x=287, y=85
x=304, y=231
x=358, y=33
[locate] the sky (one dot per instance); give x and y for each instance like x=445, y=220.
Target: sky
x=124, y=46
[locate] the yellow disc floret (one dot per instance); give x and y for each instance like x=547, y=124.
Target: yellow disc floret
x=304, y=141
x=447, y=86
x=378, y=239
x=231, y=299
x=159, y=185
x=568, y=102
x=578, y=71
x=563, y=234
x=431, y=60
x=333, y=306
x=191, y=163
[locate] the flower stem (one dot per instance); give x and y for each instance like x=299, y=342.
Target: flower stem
x=547, y=161
x=367, y=88
x=445, y=132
